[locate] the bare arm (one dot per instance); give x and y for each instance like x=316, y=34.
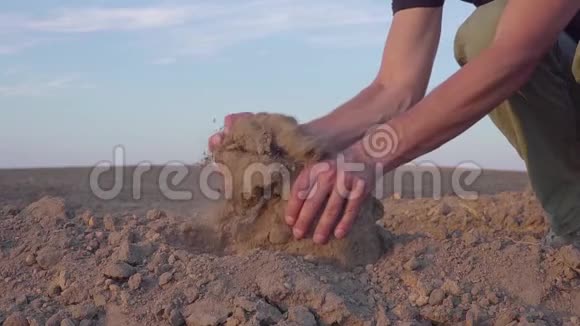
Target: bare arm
x=527, y=29
x=401, y=82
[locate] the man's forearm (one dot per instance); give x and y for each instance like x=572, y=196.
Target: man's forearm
x=457, y=104
x=349, y=122
x=401, y=81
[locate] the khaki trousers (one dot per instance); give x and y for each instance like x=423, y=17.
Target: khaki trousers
x=541, y=120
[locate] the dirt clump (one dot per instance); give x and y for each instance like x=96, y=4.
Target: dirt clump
x=261, y=156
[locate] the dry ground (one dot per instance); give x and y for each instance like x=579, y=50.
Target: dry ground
x=69, y=258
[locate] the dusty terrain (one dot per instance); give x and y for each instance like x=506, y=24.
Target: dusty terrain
x=69, y=258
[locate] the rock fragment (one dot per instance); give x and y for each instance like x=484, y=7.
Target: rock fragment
x=83, y=311
x=67, y=322
x=451, y=287
x=206, y=312
x=301, y=316
x=48, y=257
x=175, y=318
x=505, y=318
x=132, y=253
x=436, y=297
x=55, y=319
x=155, y=214
x=119, y=270
x=135, y=281
x=30, y=259
x=16, y=319
x=165, y=278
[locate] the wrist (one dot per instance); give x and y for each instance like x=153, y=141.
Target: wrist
x=323, y=133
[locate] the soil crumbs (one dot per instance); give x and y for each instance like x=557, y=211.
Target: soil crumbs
x=453, y=262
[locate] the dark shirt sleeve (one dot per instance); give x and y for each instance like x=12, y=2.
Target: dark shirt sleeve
x=406, y=4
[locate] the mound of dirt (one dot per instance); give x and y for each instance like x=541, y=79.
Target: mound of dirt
x=260, y=158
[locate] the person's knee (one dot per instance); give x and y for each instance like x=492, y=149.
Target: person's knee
x=477, y=32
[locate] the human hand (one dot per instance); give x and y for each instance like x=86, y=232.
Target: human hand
x=335, y=189
x=217, y=139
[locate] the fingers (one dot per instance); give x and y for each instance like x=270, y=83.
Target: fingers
x=312, y=206
x=215, y=141
x=302, y=188
x=329, y=217
x=298, y=195
x=356, y=198
x=230, y=119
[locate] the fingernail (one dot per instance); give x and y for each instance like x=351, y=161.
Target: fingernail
x=318, y=238
x=216, y=140
x=297, y=233
x=290, y=220
x=339, y=233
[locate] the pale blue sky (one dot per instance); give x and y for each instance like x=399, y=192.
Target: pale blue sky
x=78, y=78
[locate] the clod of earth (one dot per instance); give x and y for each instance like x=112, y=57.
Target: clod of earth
x=261, y=156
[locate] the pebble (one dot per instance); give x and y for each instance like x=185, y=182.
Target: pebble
x=301, y=316
x=405, y=312
x=267, y=314
x=63, y=279
x=130, y=253
x=83, y=311
x=493, y=298
x=30, y=260
x=67, y=322
x=505, y=318
x=155, y=214
x=55, y=319
x=119, y=270
x=100, y=300
x=436, y=297
x=165, y=278
x=422, y=301
x=475, y=315
x=16, y=319
x=21, y=299
x=135, y=281
x=48, y=257
x=86, y=322
x=175, y=318
x=451, y=287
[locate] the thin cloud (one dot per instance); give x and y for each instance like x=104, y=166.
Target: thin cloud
x=245, y=23
x=204, y=28
x=42, y=88
x=110, y=19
